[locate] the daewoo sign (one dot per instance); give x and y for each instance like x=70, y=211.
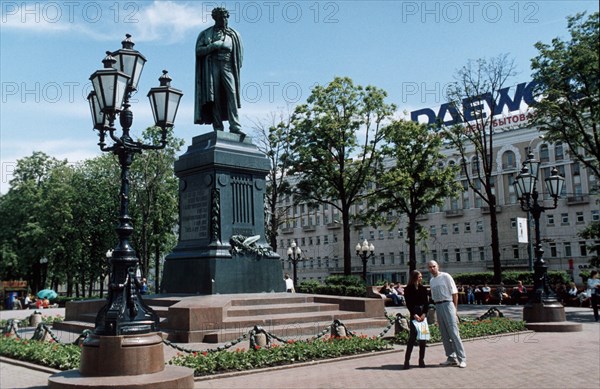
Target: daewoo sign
x=510, y=105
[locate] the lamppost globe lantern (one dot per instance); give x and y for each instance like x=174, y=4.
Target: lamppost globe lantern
x=98, y=117
x=532, y=165
x=526, y=182
x=43, y=261
x=294, y=255
x=554, y=184
x=365, y=251
x=110, y=85
x=164, y=101
x=130, y=61
x=517, y=187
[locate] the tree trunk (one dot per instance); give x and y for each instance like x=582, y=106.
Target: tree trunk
x=412, y=242
x=495, y=244
x=347, y=253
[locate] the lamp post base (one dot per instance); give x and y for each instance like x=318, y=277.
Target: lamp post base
x=126, y=361
x=551, y=311
x=548, y=316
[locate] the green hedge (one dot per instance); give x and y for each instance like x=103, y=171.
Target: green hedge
x=335, y=286
x=508, y=277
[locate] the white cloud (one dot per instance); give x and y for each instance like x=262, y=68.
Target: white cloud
x=168, y=21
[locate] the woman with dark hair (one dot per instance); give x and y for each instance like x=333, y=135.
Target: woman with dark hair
x=417, y=302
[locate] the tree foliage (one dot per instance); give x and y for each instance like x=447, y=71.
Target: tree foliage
x=415, y=181
x=68, y=214
x=568, y=97
x=273, y=140
x=592, y=232
x=334, y=151
x=478, y=86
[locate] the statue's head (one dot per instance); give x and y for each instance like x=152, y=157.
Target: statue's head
x=220, y=13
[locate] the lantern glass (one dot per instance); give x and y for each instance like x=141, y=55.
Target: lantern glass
x=517, y=187
x=164, y=101
x=533, y=166
x=358, y=247
x=554, y=184
x=98, y=117
x=130, y=62
x=110, y=86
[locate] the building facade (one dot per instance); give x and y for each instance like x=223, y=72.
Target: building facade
x=459, y=231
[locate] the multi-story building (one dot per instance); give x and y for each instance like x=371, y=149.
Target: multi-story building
x=459, y=232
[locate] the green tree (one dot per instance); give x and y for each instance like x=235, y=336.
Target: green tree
x=23, y=239
x=592, y=231
x=477, y=85
x=154, y=201
x=568, y=107
x=273, y=141
x=334, y=148
x=415, y=181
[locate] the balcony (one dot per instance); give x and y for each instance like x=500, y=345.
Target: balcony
x=334, y=225
x=422, y=217
x=310, y=227
x=287, y=230
x=454, y=212
x=581, y=199
x=486, y=210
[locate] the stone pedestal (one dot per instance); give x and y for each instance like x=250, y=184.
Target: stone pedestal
x=221, y=194
x=126, y=361
x=544, y=312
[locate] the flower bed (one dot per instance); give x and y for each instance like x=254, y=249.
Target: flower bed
x=473, y=329
x=206, y=363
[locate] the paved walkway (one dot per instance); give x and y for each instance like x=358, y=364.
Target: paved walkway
x=530, y=360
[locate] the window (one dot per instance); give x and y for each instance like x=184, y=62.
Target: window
x=444, y=229
x=595, y=215
x=457, y=254
x=467, y=227
x=582, y=248
x=567, y=247
x=325, y=239
x=564, y=219
x=303, y=240
x=515, y=249
x=479, y=226
x=469, y=254
x=558, y=152
x=434, y=255
x=373, y=260
x=310, y=240
x=335, y=238
x=381, y=234
x=455, y=229
x=508, y=160
x=400, y=233
x=445, y=255
x=579, y=217
x=432, y=230
x=372, y=235
x=318, y=240
x=481, y=253
x=390, y=234
x=550, y=219
x=392, y=258
x=382, y=258
x=402, y=257
x=544, y=156
x=423, y=256
x=553, y=249
x=513, y=222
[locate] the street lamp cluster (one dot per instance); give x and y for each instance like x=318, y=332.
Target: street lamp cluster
x=365, y=251
x=294, y=256
x=126, y=313
x=525, y=185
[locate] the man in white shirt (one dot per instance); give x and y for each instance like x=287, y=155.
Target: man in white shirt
x=289, y=284
x=445, y=296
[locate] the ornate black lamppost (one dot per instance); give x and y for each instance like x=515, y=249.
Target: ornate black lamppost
x=43, y=272
x=525, y=185
x=294, y=255
x=365, y=251
x=126, y=313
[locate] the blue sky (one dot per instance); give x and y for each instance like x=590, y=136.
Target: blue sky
x=411, y=49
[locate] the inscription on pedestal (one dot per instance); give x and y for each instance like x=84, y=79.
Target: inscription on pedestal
x=195, y=212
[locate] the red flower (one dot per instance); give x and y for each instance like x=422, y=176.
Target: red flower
x=205, y=353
